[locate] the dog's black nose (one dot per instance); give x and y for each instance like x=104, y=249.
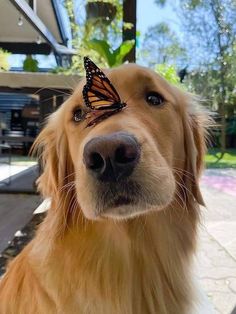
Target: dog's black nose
x=112, y=157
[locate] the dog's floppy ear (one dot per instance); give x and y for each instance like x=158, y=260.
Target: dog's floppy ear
x=195, y=148
x=52, y=148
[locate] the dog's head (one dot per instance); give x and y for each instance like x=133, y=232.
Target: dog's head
x=140, y=159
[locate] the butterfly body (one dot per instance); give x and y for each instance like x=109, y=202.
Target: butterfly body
x=99, y=94
x=115, y=106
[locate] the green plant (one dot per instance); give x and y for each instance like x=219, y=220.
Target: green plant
x=100, y=11
x=214, y=158
x=83, y=35
x=61, y=70
x=30, y=64
x=4, y=63
x=111, y=57
x=168, y=72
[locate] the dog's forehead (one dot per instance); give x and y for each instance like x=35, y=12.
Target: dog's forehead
x=134, y=77
x=131, y=72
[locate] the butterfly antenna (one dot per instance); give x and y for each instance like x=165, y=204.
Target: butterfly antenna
x=130, y=97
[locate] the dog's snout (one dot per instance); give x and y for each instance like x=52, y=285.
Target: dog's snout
x=112, y=157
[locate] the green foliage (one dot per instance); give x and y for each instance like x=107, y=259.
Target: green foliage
x=231, y=126
x=168, y=72
x=111, y=57
x=4, y=63
x=30, y=64
x=210, y=41
x=213, y=158
x=213, y=20
x=94, y=38
x=215, y=55
x=160, y=2
x=61, y=70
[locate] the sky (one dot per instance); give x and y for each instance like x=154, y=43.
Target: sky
x=149, y=14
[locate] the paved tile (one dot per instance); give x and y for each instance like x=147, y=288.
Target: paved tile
x=216, y=259
x=221, y=180
x=226, y=185
x=217, y=273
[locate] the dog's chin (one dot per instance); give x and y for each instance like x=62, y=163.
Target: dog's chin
x=126, y=211
x=126, y=199
x=124, y=208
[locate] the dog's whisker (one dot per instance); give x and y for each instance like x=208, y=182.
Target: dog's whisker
x=54, y=90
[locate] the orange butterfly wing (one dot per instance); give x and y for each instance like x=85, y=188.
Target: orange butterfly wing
x=99, y=93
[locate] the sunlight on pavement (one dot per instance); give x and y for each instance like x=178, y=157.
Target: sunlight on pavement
x=7, y=171
x=222, y=180
x=216, y=258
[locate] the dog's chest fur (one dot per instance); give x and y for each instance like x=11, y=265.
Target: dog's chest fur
x=118, y=268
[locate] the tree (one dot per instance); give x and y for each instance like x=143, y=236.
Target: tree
x=169, y=73
x=161, y=45
x=210, y=29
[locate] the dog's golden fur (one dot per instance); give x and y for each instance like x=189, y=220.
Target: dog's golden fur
x=81, y=262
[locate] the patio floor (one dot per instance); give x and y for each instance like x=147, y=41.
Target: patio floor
x=15, y=211
x=22, y=182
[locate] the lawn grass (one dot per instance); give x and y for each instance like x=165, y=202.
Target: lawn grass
x=228, y=161
x=18, y=160
x=23, y=160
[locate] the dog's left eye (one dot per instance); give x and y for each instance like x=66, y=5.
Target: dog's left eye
x=154, y=99
x=78, y=115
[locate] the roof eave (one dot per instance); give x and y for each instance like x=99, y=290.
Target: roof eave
x=41, y=28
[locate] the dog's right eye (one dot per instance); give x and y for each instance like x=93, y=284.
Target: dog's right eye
x=78, y=115
x=154, y=99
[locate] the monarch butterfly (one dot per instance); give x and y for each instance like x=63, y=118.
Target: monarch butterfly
x=98, y=92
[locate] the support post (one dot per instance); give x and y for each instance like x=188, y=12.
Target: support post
x=130, y=16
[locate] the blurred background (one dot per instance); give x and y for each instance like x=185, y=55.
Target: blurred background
x=192, y=43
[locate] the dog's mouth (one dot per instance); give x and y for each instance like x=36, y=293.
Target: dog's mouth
x=122, y=200
x=119, y=200
x=118, y=193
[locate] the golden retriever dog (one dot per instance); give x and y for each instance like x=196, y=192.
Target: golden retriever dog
x=121, y=231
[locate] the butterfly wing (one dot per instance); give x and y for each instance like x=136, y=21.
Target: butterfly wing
x=97, y=116
x=99, y=93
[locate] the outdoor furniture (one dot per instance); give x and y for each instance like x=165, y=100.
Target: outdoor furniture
x=17, y=140
x=7, y=147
